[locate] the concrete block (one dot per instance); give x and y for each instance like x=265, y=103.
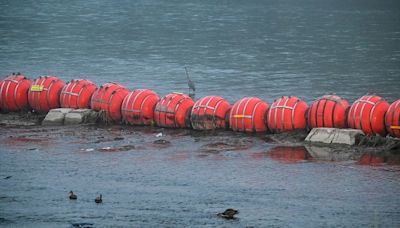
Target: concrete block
x=79, y=116
x=333, y=136
x=56, y=116
x=62, y=110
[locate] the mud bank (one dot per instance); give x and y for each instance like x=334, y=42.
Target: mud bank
x=21, y=119
x=220, y=140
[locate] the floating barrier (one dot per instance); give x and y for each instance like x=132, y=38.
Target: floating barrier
x=392, y=119
x=328, y=111
x=371, y=114
x=108, y=98
x=77, y=94
x=209, y=113
x=248, y=115
x=287, y=114
x=173, y=111
x=368, y=115
x=44, y=93
x=14, y=93
x=138, y=107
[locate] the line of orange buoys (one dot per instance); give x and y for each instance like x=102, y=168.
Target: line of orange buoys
x=372, y=114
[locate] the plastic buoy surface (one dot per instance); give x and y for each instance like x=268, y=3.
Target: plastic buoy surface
x=328, y=111
x=14, y=93
x=286, y=114
x=210, y=112
x=368, y=115
x=77, y=94
x=248, y=115
x=173, y=111
x=44, y=93
x=138, y=107
x=392, y=119
x=108, y=98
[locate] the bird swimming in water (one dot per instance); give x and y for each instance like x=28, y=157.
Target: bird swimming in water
x=99, y=199
x=72, y=196
x=228, y=213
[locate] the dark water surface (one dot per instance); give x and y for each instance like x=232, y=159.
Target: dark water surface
x=233, y=49
x=186, y=182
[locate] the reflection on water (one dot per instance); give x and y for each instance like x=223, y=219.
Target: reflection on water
x=379, y=159
x=285, y=154
x=185, y=177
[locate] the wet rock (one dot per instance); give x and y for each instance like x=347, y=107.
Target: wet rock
x=118, y=138
x=291, y=137
x=79, y=116
x=387, y=143
x=56, y=116
x=334, y=136
x=21, y=119
x=107, y=149
x=216, y=147
x=161, y=141
x=228, y=145
x=127, y=147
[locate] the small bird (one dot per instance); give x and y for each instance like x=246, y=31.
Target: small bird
x=72, y=196
x=99, y=199
x=228, y=213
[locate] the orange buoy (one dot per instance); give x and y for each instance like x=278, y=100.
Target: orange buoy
x=328, y=111
x=77, y=94
x=173, y=111
x=368, y=115
x=248, y=115
x=44, y=93
x=289, y=154
x=14, y=93
x=286, y=114
x=392, y=119
x=210, y=112
x=108, y=98
x=138, y=107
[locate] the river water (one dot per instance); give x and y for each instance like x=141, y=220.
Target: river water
x=233, y=49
